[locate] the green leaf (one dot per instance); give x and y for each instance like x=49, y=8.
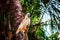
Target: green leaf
x=22, y=2
x=39, y=32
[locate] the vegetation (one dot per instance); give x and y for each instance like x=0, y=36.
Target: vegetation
x=44, y=16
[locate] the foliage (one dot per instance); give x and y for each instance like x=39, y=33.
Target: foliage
x=37, y=9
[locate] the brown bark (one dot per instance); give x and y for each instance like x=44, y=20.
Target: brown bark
x=18, y=16
x=16, y=12
x=3, y=19
x=12, y=15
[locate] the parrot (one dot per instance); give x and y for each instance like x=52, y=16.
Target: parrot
x=24, y=25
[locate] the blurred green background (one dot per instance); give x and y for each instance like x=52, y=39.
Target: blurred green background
x=45, y=18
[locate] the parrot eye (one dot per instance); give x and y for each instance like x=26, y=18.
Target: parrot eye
x=28, y=14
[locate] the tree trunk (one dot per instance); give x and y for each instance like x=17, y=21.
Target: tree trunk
x=16, y=13
x=18, y=16
x=11, y=17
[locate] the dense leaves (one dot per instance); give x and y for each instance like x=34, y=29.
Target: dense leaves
x=44, y=18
